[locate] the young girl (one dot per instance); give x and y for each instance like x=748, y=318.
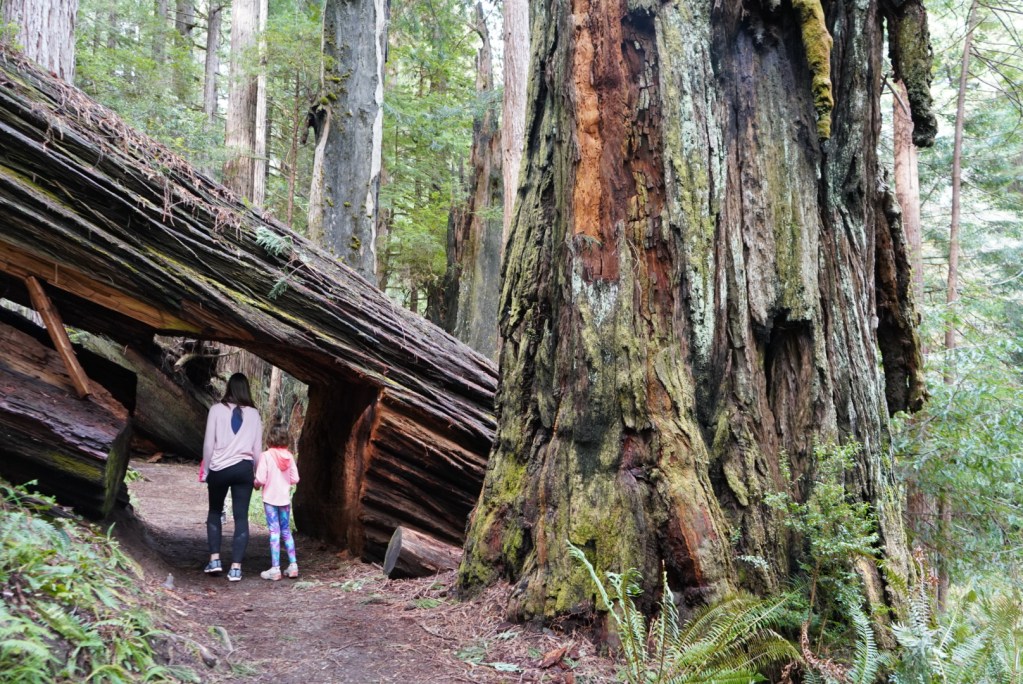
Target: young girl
x=275, y=474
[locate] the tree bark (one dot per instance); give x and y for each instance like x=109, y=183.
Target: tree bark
x=907, y=184
x=209, y=93
x=346, y=178
x=242, y=90
x=473, y=280
x=692, y=297
x=513, y=111
x=45, y=32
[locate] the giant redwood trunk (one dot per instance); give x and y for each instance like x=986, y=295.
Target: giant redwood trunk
x=701, y=275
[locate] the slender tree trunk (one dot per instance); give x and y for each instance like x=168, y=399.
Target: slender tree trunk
x=209, y=96
x=184, y=24
x=952, y=288
x=296, y=122
x=160, y=19
x=696, y=290
x=475, y=234
x=513, y=110
x=907, y=184
x=259, y=162
x=45, y=32
x=343, y=200
x=242, y=90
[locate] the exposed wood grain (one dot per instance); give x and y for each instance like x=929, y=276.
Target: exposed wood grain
x=414, y=554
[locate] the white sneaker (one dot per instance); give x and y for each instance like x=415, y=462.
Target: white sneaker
x=273, y=574
x=292, y=571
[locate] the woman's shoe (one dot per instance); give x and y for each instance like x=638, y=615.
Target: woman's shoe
x=292, y=571
x=273, y=574
x=214, y=567
x=234, y=575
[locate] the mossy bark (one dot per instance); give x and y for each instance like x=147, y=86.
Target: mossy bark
x=692, y=297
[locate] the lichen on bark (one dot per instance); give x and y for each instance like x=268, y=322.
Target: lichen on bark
x=817, y=43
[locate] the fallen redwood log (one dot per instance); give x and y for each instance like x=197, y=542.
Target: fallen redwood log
x=130, y=241
x=76, y=449
x=167, y=415
x=414, y=554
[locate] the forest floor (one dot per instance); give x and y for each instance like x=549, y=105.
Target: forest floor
x=341, y=621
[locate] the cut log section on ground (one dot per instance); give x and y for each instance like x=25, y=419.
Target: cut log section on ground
x=76, y=448
x=130, y=241
x=414, y=554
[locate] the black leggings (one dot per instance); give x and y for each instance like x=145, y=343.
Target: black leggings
x=237, y=478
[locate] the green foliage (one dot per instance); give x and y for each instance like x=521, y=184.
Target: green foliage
x=429, y=104
x=836, y=528
x=978, y=641
x=965, y=445
x=721, y=644
x=71, y=609
x=866, y=659
x=128, y=59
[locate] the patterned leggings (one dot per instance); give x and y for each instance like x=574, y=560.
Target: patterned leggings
x=278, y=520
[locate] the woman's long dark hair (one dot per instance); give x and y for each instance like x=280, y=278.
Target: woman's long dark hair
x=238, y=391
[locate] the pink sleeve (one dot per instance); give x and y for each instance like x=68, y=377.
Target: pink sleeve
x=293, y=472
x=261, y=469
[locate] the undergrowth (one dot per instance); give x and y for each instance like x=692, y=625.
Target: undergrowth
x=72, y=609
x=726, y=643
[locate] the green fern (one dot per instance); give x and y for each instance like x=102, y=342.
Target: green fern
x=272, y=243
x=723, y=644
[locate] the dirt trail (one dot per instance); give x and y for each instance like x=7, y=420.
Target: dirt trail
x=341, y=621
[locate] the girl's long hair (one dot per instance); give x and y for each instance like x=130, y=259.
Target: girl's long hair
x=238, y=391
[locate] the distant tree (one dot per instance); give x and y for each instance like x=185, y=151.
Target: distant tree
x=513, y=112
x=346, y=177
x=473, y=281
x=242, y=96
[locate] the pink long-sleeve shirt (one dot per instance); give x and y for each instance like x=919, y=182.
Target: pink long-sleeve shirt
x=223, y=447
x=276, y=473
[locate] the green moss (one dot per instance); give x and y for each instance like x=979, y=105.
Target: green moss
x=817, y=43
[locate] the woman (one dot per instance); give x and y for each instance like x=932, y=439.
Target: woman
x=234, y=439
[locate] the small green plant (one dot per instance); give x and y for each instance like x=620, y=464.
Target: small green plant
x=72, y=610
x=836, y=529
x=272, y=243
x=866, y=659
x=723, y=644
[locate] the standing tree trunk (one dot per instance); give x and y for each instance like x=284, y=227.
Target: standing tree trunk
x=697, y=285
x=160, y=17
x=346, y=175
x=259, y=168
x=45, y=32
x=914, y=124
x=952, y=288
x=513, y=112
x=474, y=243
x=184, y=24
x=209, y=94
x=239, y=170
